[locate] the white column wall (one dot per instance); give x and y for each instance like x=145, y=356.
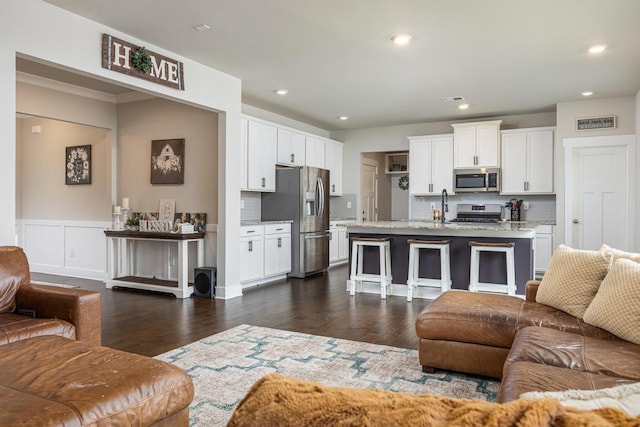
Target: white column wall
x=42, y=32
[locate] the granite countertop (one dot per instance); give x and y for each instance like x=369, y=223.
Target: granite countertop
x=429, y=227
x=258, y=222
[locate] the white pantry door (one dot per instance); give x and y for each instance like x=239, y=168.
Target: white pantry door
x=369, y=189
x=599, y=197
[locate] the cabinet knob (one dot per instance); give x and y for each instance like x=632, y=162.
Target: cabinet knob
x=250, y=245
x=279, y=242
x=576, y=221
x=293, y=157
x=264, y=182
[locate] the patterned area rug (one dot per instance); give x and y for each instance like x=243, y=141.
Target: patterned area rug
x=224, y=366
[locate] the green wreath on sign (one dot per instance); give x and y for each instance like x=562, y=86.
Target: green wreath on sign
x=403, y=182
x=141, y=60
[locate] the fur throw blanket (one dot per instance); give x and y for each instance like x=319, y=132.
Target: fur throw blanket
x=279, y=401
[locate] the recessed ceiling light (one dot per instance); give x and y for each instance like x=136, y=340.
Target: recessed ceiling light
x=599, y=48
x=343, y=118
x=282, y=91
x=587, y=93
x=401, y=39
x=202, y=27
x=463, y=106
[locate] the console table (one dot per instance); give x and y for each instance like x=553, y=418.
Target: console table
x=122, y=261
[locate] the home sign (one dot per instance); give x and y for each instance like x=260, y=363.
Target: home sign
x=590, y=123
x=127, y=58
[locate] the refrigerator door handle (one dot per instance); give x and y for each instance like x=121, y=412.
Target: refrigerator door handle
x=320, y=190
x=318, y=236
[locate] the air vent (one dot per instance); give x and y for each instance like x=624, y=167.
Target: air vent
x=452, y=98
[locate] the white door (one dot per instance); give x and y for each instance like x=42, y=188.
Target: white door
x=599, y=199
x=369, y=190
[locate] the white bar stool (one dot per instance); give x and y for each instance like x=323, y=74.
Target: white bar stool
x=474, y=277
x=414, y=280
x=357, y=273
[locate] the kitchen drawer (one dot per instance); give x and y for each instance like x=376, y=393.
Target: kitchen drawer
x=251, y=230
x=544, y=229
x=277, y=228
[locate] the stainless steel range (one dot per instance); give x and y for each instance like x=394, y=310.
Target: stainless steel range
x=490, y=213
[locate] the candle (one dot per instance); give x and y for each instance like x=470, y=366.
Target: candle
x=116, y=209
x=125, y=203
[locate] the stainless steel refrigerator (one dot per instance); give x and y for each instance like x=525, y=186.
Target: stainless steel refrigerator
x=302, y=195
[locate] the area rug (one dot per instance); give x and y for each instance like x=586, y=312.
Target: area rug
x=224, y=366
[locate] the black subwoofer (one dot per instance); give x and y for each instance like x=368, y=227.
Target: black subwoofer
x=204, y=282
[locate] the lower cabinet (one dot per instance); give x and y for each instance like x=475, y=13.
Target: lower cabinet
x=544, y=248
x=338, y=245
x=265, y=252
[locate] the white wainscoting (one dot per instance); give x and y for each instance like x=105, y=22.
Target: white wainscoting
x=67, y=248
x=79, y=249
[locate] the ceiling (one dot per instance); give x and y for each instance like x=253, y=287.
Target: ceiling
x=336, y=58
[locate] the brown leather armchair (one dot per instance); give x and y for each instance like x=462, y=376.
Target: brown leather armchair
x=28, y=310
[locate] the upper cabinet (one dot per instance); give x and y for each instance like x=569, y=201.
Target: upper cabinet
x=244, y=123
x=527, y=161
x=333, y=162
x=291, y=148
x=476, y=144
x=314, y=152
x=261, y=156
x=431, y=160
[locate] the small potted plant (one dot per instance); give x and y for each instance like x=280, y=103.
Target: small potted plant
x=133, y=224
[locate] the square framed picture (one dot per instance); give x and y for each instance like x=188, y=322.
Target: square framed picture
x=78, y=165
x=167, y=161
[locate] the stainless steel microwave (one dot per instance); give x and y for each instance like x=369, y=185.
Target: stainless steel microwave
x=476, y=180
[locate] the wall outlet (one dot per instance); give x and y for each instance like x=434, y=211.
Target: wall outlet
x=525, y=205
x=241, y=204
x=348, y=205
x=72, y=253
x=433, y=206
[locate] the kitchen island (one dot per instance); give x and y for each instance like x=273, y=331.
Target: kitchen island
x=492, y=265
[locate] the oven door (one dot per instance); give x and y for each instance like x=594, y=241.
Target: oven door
x=471, y=182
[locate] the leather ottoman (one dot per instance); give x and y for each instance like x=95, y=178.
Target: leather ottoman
x=51, y=380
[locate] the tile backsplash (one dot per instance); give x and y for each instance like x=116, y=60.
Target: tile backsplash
x=343, y=206
x=541, y=208
x=252, y=210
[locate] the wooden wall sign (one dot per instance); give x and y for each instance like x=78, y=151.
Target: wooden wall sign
x=127, y=58
x=590, y=123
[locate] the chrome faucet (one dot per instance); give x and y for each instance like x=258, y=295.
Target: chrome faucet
x=445, y=204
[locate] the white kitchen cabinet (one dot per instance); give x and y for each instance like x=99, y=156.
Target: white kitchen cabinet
x=543, y=248
x=333, y=162
x=338, y=244
x=251, y=253
x=431, y=160
x=244, y=123
x=261, y=156
x=314, y=152
x=527, y=161
x=291, y=148
x=476, y=145
x=277, y=249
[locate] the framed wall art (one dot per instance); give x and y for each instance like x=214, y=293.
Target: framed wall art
x=167, y=161
x=78, y=165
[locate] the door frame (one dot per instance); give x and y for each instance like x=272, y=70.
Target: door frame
x=624, y=141
x=376, y=164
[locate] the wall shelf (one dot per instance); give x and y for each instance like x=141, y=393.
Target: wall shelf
x=397, y=163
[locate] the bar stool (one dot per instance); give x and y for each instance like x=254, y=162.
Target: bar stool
x=357, y=273
x=414, y=280
x=474, y=277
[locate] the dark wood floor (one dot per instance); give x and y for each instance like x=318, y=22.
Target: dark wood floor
x=150, y=323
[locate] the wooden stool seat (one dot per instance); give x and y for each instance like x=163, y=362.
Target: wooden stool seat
x=357, y=269
x=474, y=276
x=414, y=280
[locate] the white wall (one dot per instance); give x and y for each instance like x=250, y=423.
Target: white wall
x=567, y=113
x=637, y=132
x=41, y=32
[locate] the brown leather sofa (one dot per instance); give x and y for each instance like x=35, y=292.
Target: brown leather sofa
x=28, y=310
x=530, y=346
x=54, y=371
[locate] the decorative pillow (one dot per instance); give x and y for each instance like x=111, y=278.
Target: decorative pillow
x=617, y=253
x=616, y=306
x=623, y=397
x=572, y=279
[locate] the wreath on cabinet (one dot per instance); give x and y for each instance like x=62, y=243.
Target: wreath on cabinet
x=403, y=182
x=141, y=60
